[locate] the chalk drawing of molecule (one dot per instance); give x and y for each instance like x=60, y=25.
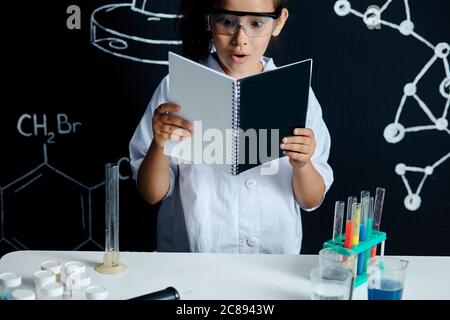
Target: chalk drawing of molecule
x=77, y=198
x=140, y=31
x=395, y=132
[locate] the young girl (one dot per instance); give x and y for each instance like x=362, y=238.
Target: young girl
x=207, y=210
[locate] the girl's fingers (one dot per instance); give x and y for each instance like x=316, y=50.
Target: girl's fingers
x=179, y=122
x=166, y=136
x=167, y=107
x=163, y=115
x=297, y=156
x=298, y=140
x=175, y=137
x=304, y=132
x=169, y=129
x=301, y=148
x=174, y=121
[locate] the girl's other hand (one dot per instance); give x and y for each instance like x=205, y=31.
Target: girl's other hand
x=300, y=147
x=167, y=126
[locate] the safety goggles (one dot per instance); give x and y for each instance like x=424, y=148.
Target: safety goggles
x=254, y=24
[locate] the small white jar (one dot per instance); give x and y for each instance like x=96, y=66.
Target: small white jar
x=23, y=294
x=96, y=293
x=71, y=267
x=54, y=266
x=41, y=278
x=52, y=291
x=9, y=281
x=76, y=291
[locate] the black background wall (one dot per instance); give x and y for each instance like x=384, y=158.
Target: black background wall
x=51, y=177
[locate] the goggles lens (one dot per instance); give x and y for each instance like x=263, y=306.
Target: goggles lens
x=256, y=25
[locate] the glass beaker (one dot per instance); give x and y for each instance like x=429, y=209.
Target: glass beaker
x=331, y=283
x=386, y=278
x=338, y=257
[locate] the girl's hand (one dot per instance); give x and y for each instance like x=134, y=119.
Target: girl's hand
x=300, y=147
x=169, y=127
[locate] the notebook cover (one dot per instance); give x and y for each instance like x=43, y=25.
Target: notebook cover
x=276, y=99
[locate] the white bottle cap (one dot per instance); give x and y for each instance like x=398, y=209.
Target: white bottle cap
x=72, y=267
x=10, y=279
x=85, y=279
x=53, y=290
x=52, y=265
x=43, y=277
x=96, y=293
x=23, y=294
x=77, y=264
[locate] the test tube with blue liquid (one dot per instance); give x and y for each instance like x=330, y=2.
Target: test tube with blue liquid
x=365, y=203
x=369, y=232
x=370, y=220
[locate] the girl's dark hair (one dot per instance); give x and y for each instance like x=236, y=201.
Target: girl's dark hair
x=192, y=28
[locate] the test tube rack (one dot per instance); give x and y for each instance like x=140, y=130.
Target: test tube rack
x=377, y=237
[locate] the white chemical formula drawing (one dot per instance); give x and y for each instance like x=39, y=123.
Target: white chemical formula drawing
x=396, y=131
x=73, y=217
x=141, y=31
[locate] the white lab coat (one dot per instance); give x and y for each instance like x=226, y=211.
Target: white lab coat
x=208, y=210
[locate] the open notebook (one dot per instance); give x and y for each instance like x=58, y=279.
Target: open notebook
x=238, y=123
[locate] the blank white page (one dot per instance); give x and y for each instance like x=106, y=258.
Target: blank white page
x=204, y=95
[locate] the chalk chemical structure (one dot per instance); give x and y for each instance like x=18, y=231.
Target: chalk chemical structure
x=140, y=31
x=33, y=125
x=395, y=132
x=67, y=219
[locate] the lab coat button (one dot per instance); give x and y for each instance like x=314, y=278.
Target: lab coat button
x=252, y=241
x=250, y=183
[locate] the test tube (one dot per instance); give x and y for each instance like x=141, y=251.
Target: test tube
x=377, y=211
x=356, y=218
x=338, y=220
x=369, y=220
x=378, y=208
x=368, y=253
x=349, y=223
x=365, y=203
x=365, y=194
x=111, y=257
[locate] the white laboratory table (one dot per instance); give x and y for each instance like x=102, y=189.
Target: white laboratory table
x=224, y=276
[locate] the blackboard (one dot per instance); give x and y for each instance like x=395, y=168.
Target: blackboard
x=72, y=95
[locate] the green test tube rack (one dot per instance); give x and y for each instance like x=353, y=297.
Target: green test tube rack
x=376, y=238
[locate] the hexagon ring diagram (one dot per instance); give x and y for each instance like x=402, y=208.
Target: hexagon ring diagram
x=57, y=219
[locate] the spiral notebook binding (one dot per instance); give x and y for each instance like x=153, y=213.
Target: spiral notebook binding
x=235, y=127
